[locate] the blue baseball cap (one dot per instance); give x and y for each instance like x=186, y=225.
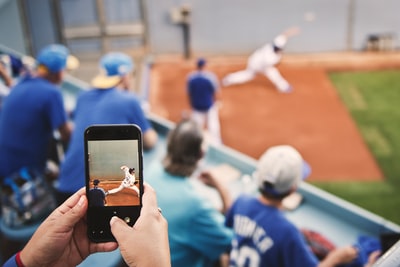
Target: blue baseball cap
x=201, y=62
x=56, y=57
x=113, y=66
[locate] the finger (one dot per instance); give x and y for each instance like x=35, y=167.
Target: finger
x=373, y=257
x=119, y=228
x=104, y=247
x=71, y=201
x=74, y=208
x=149, y=199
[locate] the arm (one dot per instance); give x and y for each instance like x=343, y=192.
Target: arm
x=339, y=256
x=65, y=131
x=150, y=138
x=291, y=32
x=208, y=179
x=5, y=77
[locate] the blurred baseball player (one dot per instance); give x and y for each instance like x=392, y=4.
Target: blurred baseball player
x=97, y=195
x=128, y=182
x=263, y=61
x=203, y=92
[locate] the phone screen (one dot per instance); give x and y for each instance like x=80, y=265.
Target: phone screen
x=114, y=180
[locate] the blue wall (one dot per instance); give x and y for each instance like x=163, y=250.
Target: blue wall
x=11, y=33
x=41, y=24
x=228, y=27
x=239, y=26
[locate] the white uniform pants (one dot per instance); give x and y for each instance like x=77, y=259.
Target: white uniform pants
x=209, y=120
x=246, y=75
x=122, y=186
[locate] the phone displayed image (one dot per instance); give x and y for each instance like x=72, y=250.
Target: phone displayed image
x=114, y=177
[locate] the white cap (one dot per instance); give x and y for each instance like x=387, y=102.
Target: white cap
x=283, y=167
x=280, y=41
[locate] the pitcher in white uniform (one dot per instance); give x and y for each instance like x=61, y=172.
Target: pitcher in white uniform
x=263, y=61
x=128, y=182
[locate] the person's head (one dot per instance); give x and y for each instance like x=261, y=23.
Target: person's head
x=279, y=171
x=115, y=70
x=201, y=62
x=184, y=148
x=279, y=43
x=96, y=182
x=52, y=60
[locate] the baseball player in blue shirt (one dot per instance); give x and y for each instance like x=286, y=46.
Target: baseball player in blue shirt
x=203, y=91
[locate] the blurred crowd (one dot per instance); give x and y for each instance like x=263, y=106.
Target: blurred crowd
x=177, y=226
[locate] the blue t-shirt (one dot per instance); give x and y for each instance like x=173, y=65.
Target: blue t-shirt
x=201, y=86
x=30, y=113
x=96, y=197
x=264, y=237
x=196, y=231
x=97, y=106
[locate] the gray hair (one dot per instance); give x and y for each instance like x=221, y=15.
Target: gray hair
x=184, y=148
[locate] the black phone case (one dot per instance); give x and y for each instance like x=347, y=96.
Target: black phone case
x=98, y=218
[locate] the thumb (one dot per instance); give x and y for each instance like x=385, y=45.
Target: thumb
x=119, y=228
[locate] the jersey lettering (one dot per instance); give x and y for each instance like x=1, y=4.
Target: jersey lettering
x=244, y=256
x=248, y=228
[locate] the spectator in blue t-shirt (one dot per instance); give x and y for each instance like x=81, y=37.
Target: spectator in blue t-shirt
x=32, y=111
x=105, y=103
x=203, y=92
x=263, y=235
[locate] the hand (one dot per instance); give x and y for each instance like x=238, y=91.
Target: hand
x=208, y=179
x=61, y=239
x=373, y=257
x=339, y=256
x=146, y=243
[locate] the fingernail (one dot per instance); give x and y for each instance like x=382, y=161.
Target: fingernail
x=81, y=200
x=113, y=219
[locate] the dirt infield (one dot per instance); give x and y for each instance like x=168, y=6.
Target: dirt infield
x=255, y=116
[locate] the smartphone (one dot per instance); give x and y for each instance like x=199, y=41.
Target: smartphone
x=114, y=177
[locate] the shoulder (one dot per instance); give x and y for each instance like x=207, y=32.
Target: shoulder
x=37, y=82
x=244, y=200
x=193, y=76
x=267, y=48
x=127, y=96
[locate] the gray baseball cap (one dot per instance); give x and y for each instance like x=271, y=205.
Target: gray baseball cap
x=282, y=167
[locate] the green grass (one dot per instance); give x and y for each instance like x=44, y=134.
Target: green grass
x=373, y=100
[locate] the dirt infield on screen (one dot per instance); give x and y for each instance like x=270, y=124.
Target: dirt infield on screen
x=125, y=197
x=255, y=116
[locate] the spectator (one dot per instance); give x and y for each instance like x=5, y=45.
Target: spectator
x=196, y=233
x=61, y=239
x=6, y=80
x=263, y=236
x=264, y=61
x=5, y=73
x=104, y=104
x=203, y=92
x=32, y=111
